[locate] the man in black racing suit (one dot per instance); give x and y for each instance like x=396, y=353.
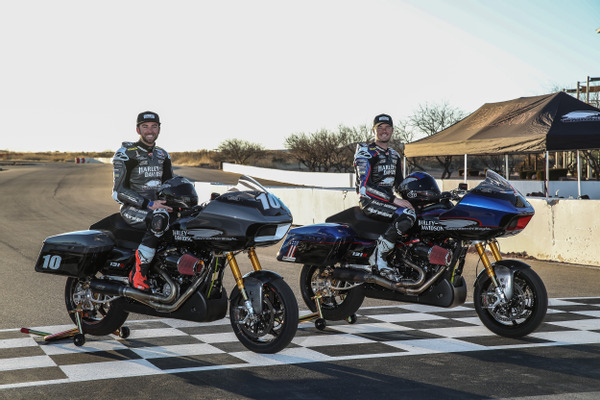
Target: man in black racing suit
x=139, y=170
x=378, y=174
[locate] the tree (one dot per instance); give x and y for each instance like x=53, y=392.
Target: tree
x=433, y=118
x=239, y=151
x=347, y=138
x=593, y=159
x=302, y=148
x=325, y=150
x=402, y=134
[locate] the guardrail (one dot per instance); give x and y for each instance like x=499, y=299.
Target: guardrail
x=303, y=178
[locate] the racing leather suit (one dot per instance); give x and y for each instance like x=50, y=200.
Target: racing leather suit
x=138, y=172
x=378, y=174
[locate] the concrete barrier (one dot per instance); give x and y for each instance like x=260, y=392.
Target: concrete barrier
x=561, y=230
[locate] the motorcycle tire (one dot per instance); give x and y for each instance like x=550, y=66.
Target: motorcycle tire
x=523, y=313
x=275, y=327
x=336, y=307
x=98, y=318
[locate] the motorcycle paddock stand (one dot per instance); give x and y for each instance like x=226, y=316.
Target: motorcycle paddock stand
x=76, y=333
x=320, y=322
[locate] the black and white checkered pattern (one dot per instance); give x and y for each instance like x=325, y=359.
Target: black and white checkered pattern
x=165, y=346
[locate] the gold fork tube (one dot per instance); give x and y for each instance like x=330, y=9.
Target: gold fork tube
x=235, y=270
x=254, y=259
x=494, y=248
x=484, y=258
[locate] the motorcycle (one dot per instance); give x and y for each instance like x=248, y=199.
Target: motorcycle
x=509, y=297
x=186, y=277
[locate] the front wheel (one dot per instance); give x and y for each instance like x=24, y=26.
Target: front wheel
x=275, y=327
x=339, y=300
x=522, y=314
x=100, y=316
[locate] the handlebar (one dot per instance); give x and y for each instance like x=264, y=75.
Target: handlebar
x=455, y=194
x=191, y=211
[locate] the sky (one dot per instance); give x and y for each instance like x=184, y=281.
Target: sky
x=75, y=74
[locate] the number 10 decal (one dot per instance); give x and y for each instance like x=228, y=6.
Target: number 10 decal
x=51, y=262
x=268, y=201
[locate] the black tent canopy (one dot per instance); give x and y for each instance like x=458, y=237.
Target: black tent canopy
x=553, y=122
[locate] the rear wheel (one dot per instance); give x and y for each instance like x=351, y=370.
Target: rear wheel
x=100, y=315
x=275, y=327
x=339, y=300
x=522, y=314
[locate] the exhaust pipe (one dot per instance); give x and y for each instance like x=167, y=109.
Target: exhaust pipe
x=118, y=289
x=157, y=302
x=349, y=275
x=412, y=288
x=112, y=288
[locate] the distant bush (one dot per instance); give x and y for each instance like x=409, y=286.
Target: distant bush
x=200, y=158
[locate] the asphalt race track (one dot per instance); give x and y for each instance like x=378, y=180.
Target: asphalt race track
x=394, y=350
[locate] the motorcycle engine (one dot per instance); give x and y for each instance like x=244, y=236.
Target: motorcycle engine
x=182, y=264
x=421, y=256
x=435, y=255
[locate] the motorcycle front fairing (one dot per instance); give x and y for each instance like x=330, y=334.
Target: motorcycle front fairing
x=246, y=216
x=492, y=209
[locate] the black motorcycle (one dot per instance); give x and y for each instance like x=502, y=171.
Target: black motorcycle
x=186, y=276
x=509, y=297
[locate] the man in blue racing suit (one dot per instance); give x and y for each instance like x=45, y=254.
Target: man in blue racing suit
x=378, y=174
x=139, y=170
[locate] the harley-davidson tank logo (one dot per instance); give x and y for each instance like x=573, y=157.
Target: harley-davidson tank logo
x=199, y=234
x=291, y=253
x=429, y=225
x=181, y=236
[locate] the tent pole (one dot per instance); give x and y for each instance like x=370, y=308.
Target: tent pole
x=547, y=175
x=506, y=166
x=578, y=177
x=587, y=91
x=465, y=168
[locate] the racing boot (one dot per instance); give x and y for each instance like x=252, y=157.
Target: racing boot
x=378, y=259
x=138, y=277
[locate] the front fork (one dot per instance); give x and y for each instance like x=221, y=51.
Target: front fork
x=489, y=269
x=239, y=280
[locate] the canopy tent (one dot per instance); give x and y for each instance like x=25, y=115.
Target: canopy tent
x=553, y=122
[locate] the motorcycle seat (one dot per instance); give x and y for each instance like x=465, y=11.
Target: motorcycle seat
x=365, y=227
x=438, y=206
x=124, y=235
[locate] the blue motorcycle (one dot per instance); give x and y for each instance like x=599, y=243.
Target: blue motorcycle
x=509, y=297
